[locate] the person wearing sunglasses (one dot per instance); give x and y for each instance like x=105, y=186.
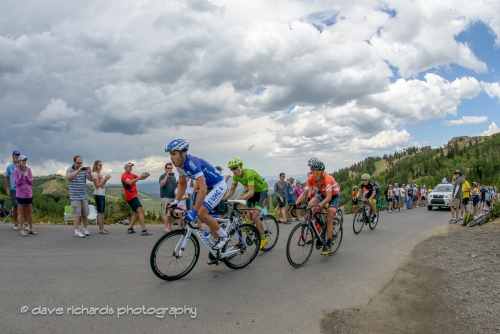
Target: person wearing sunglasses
x=255, y=195
x=371, y=195
x=327, y=192
x=211, y=187
x=10, y=185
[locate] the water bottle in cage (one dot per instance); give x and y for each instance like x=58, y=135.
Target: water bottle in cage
x=318, y=227
x=209, y=237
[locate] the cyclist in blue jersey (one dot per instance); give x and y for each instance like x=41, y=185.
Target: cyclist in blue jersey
x=211, y=187
x=372, y=194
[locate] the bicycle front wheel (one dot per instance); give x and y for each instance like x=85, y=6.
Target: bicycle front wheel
x=338, y=233
x=359, y=220
x=300, y=245
x=373, y=222
x=271, y=231
x=247, y=246
x=167, y=260
x=340, y=214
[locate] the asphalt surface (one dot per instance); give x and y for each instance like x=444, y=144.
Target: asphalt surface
x=101, y=272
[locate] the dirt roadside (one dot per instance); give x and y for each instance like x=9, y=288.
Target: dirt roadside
x=450, y=285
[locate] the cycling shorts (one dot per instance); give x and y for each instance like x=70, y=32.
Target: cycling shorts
x=258, y=200
x=215, y=195
x=373, y=200
x=334, y=202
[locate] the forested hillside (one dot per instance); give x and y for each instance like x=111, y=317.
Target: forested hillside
x=477, y=157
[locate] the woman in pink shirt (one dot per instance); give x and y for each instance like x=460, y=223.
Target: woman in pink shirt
x=24, y=194
x=298, y=192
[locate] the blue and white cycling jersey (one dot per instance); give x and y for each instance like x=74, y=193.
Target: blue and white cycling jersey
x=195, y=167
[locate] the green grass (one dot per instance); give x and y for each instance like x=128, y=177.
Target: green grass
x=379, y=167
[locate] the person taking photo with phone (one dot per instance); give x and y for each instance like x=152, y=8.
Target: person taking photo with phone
x=167, y=194
x=77, y=176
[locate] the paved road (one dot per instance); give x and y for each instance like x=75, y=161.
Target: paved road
x=56, y=270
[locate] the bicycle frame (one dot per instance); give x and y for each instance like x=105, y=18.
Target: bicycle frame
x=190, y=230
x=310, y=222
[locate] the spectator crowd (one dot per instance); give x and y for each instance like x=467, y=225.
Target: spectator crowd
x=19, y=180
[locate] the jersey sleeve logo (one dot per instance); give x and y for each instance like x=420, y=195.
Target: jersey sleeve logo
x=192, y=165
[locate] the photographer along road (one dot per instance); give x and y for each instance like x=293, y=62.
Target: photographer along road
x=54, y=270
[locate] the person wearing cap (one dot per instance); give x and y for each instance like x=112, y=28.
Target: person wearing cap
x=24, y=195
x=456, y=197
x=290, y=198
x=129, y=181
x=220, y=170
x=10, y=185
x=167, y=193
x=465, y=197
x=77, y=176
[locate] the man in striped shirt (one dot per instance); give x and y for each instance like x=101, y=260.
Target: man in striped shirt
x=77, y=176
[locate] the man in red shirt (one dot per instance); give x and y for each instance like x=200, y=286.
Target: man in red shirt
x=129, y=181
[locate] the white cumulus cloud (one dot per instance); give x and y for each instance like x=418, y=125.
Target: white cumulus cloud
x=492, y=129
x=466, y=120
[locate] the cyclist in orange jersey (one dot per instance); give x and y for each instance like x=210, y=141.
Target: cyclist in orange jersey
x=327, y=195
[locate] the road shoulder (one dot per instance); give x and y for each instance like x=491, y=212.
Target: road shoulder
x=450, y=284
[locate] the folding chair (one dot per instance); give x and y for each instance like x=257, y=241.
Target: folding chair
x=5, y=215
x=92, y=218
x=68, y=214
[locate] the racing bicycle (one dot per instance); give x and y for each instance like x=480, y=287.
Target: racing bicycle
x=311, y=232
x=363, y=217
x=176, y=253
x=271, y=227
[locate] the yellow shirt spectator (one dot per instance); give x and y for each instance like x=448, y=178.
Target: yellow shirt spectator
x=465, y=189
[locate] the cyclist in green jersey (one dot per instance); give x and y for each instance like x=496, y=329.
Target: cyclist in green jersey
x=256, y=195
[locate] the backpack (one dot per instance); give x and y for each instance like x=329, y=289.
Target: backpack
x=385, y=191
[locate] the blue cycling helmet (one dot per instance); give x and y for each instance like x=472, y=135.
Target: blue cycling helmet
x=177, y=145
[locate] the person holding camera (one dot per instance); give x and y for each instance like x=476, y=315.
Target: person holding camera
x=129, y=181
x=77, y=176
x=167, y=194
x=100, y=194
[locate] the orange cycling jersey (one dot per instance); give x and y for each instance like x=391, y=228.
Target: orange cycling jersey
x=329, y=184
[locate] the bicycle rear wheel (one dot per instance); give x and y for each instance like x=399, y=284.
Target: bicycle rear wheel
x=373, y=223
x=247, y=249
x=359, y=220
x=271, y=230
x=165, y=261
x=300, y=245
x=338, y=233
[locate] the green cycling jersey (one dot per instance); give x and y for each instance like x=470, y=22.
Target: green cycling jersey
x=251, y=178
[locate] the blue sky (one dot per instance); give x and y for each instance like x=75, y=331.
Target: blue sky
x=274, y=83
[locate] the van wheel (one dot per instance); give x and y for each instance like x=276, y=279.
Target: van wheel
x=429, y=207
